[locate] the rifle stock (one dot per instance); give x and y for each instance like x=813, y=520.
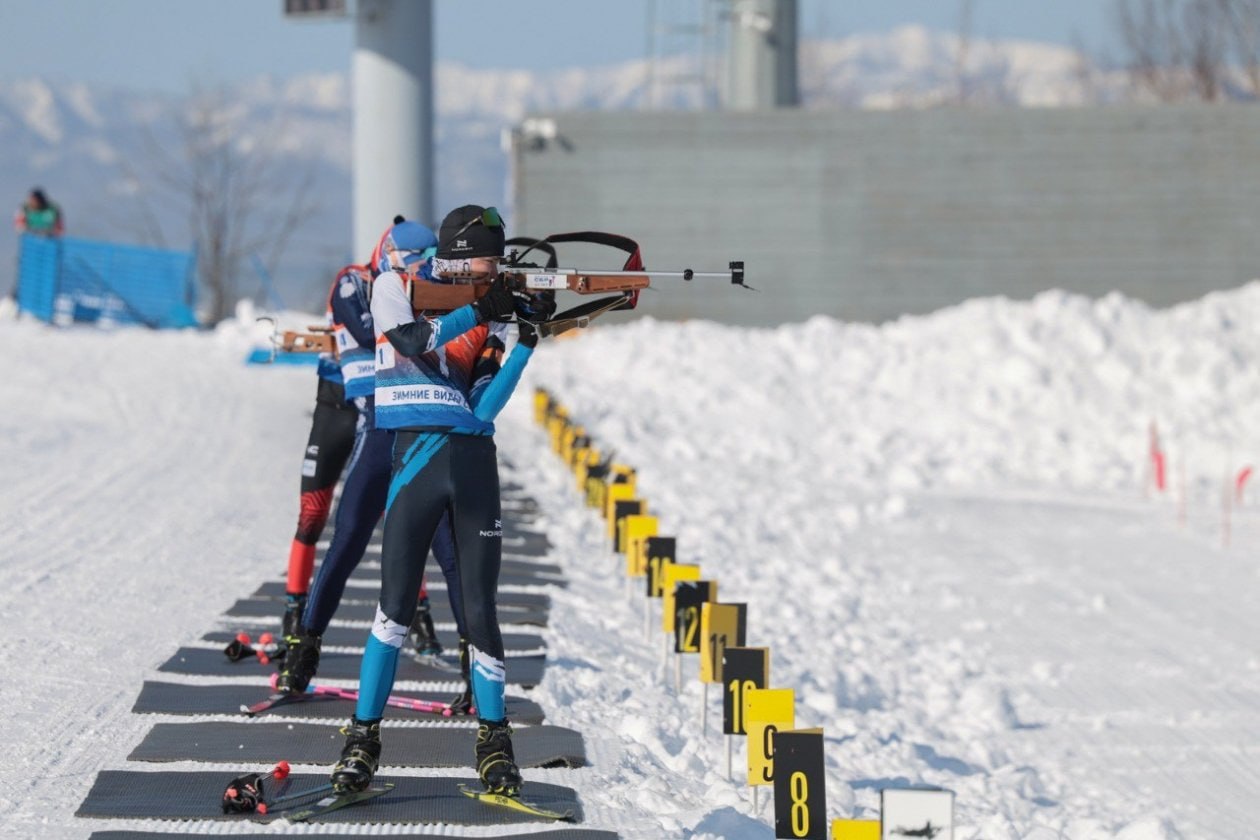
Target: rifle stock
x=298, y=342
x=441, y=297
x=593, y=284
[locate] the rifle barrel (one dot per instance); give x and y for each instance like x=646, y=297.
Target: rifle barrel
x=686, y=273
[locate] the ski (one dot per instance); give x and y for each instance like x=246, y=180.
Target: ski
x=277, y=699
x=335, y=801
x=515, y=803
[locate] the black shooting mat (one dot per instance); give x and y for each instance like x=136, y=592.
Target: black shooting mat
x=356, y=637
x=512, y=565
x=440, y=609
x=183, y=699
x=415, y=800
x=370, y=595
x=514, y=528
x=514, y=541
x=232, y=742
x=365, y=585
x=528, y=543
x=562, y=834
x=521, y=670
x=514, y=495
x=369, y=574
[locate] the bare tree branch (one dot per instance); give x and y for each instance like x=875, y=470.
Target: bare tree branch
x=1243, y=25
x=1176, y=50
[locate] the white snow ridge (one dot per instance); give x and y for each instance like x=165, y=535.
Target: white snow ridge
x=937, y=524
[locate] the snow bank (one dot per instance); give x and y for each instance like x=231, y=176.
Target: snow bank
x=936, y=524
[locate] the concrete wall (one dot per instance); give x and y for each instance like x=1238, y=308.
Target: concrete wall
x=869, y=215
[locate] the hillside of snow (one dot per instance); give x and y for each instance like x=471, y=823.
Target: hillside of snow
x=937, y=524
x=109, y=156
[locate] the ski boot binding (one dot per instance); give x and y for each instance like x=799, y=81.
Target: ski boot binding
x=359, y=757
x=496, y=763
x=301, y=661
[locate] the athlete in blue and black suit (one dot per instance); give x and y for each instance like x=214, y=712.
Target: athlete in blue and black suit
x=440, y=382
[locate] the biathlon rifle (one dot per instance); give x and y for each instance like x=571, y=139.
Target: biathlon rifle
x=318, y=338
x=535, y=285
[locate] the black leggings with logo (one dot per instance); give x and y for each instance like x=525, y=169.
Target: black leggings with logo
x=436, y=473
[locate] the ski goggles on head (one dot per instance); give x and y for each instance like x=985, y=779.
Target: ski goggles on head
x=489, y=217
x=460, y=270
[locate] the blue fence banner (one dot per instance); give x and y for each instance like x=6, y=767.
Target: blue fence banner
x=77, y=280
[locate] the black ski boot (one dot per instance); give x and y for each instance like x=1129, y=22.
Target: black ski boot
x=359, y=757
x=301, y=661
x=293, y=607
x=463, y=702
x=423, y=636
x=496, y=763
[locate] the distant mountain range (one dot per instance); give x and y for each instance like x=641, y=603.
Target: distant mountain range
x=109, y=156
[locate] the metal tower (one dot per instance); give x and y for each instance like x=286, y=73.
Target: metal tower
x=392, y=83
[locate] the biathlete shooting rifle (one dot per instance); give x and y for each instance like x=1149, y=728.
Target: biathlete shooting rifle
x=535, y=285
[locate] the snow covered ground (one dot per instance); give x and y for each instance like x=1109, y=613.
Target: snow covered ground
x=937, y=524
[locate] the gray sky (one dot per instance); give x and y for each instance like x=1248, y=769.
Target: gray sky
x=167, y=44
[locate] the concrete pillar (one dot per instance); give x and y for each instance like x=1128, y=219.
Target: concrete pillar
x=761, y=63
x=392, y=74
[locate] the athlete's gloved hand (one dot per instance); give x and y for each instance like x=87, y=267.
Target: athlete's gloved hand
x=526, y=334
x=497, y=303
x=535, y=306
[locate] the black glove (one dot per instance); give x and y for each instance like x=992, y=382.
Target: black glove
x=526, y=334
x=535, y=306
x=497, y=303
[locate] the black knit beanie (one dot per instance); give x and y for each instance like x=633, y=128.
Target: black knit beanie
x=461, y=238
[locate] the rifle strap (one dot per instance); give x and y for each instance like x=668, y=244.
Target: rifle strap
x=580, y=316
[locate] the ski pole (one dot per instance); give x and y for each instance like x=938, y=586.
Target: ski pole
x=414, y=704
x=264, y=640
x=241, y=647
x=244, y=794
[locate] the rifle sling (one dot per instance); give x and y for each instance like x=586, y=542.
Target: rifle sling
x=580, y=315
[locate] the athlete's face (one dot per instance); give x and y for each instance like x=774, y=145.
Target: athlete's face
x=483, y=268
x=410, y=261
